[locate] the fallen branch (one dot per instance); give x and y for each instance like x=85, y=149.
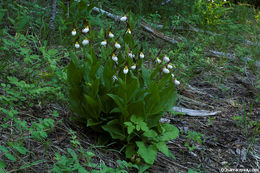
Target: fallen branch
x=144, y=25
x=199, y=91
x=197, y=30
x=160, y=35
x=166, y=2
x=103, y=12
x=165, y=120
x=194, y=102
x=194, y=113
x=230, y=56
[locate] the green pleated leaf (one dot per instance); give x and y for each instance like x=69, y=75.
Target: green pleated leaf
x=147, y=153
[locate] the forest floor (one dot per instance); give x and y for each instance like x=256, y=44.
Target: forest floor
x=226, y=142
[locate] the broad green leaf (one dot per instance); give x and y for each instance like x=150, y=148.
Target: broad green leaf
x=128, y=39
x=143, y=126
x=171, y=132
x=152, y=99
x=141, y=94
x=3, y=149
x=10, y=156
x=142, y=168
x=94, y=69
x=20, y=149
x=92, y=107
x=95, y=88
x=147, y=153
x=82, y=170
x=72, y=153
x=93, y=55
x=31, y=164
x=161, y=146
x=146, y=76
x=115, y=110
x=2, y=164
x=52, y=52
x=120, y=103
x=138, y=127
x=139, y=121
x=12, y=21
x=150, y=134
x=108, y=74
x=136, y=119
x=192, y=171
x=130, y=150
x=2, y=13
x=168, y=96
x=75, y=75
x=130, y=127
x=137, y=108
x=114, y=128
x=131, y=88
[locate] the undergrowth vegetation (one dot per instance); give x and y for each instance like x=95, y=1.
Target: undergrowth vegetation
x=116, y=81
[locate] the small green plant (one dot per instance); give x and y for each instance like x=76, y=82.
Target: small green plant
x=211, y=11
x=72, y=161
x=193, y=137
x=112, y=91
x=210, y=120
x=257, y=17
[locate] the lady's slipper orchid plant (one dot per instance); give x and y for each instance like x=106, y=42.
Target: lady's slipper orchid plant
x=169, y=66
x=117, y=45
x=166, y=59
x=130, y=54
x=85, y=41
x=103, y=43
x=114, y=58
x=124, y=18
x=133, y=67
x=85, y=30
x=111, y=35
x=141, y=55
x=165, y=70
x=114, y=78
x=77, y=45
x=128, y=31
x=176, y=82
x=115, y=92
x=158, y=60
x=125, y=71
x=73, y=32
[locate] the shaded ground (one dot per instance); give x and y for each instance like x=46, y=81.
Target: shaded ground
x=226, y=142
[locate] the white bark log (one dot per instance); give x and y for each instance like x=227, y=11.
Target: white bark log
x=195, y=113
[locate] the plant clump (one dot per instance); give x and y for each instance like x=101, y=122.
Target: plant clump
x=114, y=92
